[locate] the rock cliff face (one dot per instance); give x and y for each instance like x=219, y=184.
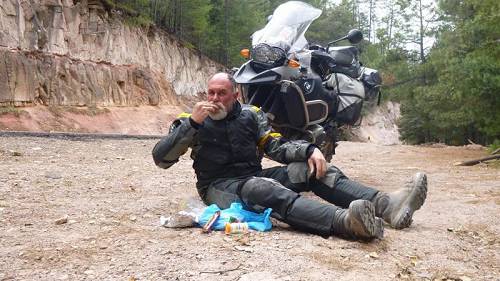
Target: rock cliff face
x=75, y=53
x=379, y=125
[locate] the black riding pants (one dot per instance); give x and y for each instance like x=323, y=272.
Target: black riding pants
x=279, y=188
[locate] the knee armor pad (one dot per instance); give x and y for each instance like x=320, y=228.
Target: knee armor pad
x=260, y=193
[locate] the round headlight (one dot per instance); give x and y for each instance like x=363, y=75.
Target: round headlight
x=265, y=54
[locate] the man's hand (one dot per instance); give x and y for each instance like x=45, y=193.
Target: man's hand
x=317, y=163
x=202, y=109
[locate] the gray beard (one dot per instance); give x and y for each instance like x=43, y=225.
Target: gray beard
x=219, y=115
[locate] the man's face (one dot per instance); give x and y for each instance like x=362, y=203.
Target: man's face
x=220, y=90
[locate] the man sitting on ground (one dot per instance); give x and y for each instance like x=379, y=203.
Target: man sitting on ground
x=227, y=140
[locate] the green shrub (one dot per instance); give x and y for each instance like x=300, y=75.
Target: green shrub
x=11, y=110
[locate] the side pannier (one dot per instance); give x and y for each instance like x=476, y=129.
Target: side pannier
x=350, y=95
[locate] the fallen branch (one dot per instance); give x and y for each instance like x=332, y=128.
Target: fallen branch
x=223, y=270
x=497, y=151
x=477, y=161
x=471, y=142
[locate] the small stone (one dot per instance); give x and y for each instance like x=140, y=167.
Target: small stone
x=133, y=218
x=148, y=215
x=53, y=175
x=88, y=272
x=15, y=153
x=413, y=260
x=177, y=221
x=62, y=220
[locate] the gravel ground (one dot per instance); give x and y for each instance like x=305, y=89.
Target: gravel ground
x=89, y=210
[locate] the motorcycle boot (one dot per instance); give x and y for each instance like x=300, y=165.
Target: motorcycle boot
x=397, y=208
x=358, y=222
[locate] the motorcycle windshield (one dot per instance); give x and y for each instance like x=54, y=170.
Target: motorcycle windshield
x=287, y=26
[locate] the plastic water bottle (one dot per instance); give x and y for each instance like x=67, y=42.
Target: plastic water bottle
x=236, y=227
x=189, y=217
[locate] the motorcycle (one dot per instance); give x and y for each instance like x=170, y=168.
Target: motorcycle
x=307, y=92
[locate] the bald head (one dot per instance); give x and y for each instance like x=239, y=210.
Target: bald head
x=222, y=88
x=222, y=76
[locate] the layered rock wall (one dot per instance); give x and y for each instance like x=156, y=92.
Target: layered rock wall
x=55, y=52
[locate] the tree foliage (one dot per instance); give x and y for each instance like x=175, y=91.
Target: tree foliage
x=458, y=98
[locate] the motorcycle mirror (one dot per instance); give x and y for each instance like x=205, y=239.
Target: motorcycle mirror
x=354, y=36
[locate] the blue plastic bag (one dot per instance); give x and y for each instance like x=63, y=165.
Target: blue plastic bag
x=259, y=222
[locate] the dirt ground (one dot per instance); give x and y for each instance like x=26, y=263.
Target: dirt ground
x=113, y=196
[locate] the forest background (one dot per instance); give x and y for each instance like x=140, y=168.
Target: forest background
x=449, y=90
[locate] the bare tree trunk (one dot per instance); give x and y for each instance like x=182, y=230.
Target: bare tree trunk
x=174, y=17
x=167, y=16
x=354, y=11
x=421, y=41
x=370, y=22
x=391, y=23
x=226, y=34
x=155, y=10
x=180, y=19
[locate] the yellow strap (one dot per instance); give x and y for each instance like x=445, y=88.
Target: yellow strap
x=257, y=109
x=184, y=115
x=263, y=140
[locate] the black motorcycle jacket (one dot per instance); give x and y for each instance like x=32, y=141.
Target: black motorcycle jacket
x=228, y=148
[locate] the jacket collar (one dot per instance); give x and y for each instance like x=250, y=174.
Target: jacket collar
x=235, y=111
